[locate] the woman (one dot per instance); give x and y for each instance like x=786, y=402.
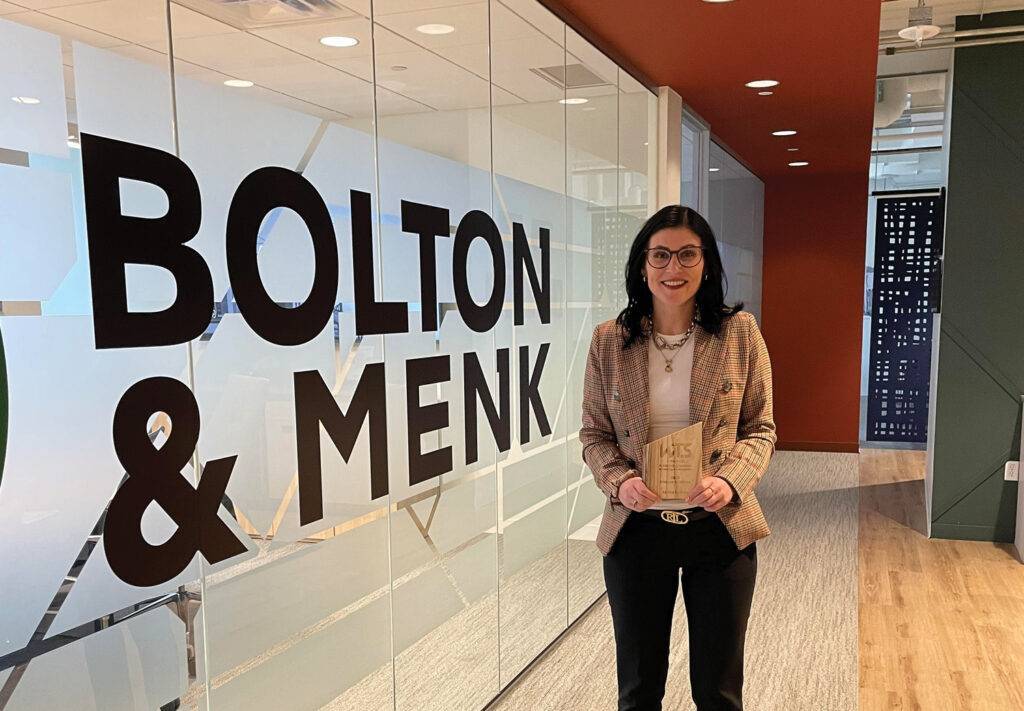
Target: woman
x=674, y=356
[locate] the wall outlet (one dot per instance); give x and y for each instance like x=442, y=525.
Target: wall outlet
x=1012, y=471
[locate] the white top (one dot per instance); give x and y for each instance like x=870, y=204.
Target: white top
x=669, y=396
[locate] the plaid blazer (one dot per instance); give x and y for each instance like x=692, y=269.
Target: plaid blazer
x=730, y=392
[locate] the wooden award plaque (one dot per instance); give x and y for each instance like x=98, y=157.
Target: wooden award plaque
x=673, y=462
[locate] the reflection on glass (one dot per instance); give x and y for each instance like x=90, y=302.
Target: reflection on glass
x=529, y=189
x=72, y=635
x=281, y=626
x=432, y=596
x=907, y=150
x=434, y=168
x=736, y=214
x=593, y=286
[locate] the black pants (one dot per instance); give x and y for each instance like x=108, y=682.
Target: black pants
x=642, y=574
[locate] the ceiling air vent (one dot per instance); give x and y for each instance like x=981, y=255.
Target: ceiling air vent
x=569, y=76
x=253, y=14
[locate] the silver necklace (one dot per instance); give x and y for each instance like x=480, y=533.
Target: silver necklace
x=661, y=344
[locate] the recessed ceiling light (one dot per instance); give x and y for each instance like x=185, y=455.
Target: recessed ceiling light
x=713, y=170
x=24, y=99
x=339, y=41
x=238, y=83
x=646, y=142
x=765, y=93
x=433, y=29
x=798, y=163
x=574, y=101
x=762, y=84
x=784, y=133
x=398, y=67
x=792, y=150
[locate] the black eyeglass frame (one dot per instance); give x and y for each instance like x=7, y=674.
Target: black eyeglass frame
x=678, y=255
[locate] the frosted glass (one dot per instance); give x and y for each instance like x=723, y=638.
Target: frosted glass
x=123, y=98
x=48, y=358
x=32, y=69
x=224, y=136
x=37, y=232
x=133, y=665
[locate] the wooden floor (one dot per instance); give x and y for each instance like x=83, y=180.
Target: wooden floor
x=941, y=622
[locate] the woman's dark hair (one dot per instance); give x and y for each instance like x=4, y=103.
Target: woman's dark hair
x=711, y=311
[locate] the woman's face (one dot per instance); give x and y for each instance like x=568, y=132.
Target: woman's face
x=674, y=284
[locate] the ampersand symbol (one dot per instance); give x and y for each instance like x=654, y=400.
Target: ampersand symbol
x=154, y=475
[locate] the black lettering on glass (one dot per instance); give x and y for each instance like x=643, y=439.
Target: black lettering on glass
x=314, y=406
x=116, y=240
x=529, y=393
x=154, y=475
x=426, y=418
x=428, y=222
x=541, y=287
x=260, y=192
x=478, y=224
x=372, y=316
x=476, y=384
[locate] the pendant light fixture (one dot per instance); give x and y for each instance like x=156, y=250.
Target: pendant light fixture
x=920, y=27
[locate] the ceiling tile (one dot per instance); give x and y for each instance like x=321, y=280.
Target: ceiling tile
x=7, y=8
x=140, y=21
x=305, y=39
x=68, y=30
x=390, y=7
x=45, y=4
x=236, y=54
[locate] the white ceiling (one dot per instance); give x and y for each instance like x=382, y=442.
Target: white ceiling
x=895, y=12
x=416, y=72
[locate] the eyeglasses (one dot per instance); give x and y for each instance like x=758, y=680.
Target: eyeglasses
x=659, y=257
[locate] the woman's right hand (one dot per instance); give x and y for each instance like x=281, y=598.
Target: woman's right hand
x=635, y=495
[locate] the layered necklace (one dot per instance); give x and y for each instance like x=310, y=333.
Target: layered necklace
x=663, y=345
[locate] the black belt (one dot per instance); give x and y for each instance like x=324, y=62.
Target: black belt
x=677, y=517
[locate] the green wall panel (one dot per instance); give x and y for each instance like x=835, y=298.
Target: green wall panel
x=981, y=351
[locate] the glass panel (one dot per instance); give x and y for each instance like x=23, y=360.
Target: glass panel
x=434, y=162
x=528, y=60
x=737, y=217
x=908, y=152
x=594, y=286
x=694, y=163
x=689, y=167
x=907, y=148
x=638, y=131
x=303, y=621
x=73, y=632
x=453, y=144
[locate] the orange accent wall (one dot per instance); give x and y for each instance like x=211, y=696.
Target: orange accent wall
x=812, y=309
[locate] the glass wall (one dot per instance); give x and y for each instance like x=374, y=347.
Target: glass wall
x=736, y=214
x=295, y=300
x=908, y=153
x=696, y=143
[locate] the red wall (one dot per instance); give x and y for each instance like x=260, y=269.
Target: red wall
x=812, y=307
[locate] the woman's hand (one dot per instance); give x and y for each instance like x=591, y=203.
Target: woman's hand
x=635, y=495
x=711, y=493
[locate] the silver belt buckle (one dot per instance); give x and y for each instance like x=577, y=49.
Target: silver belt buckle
x=677, y=517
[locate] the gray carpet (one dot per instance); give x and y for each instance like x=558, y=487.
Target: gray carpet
x=802, y=641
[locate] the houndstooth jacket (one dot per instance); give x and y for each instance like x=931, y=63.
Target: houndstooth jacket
x=730, y=392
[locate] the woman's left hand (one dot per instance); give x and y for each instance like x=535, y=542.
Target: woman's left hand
x=711, y=493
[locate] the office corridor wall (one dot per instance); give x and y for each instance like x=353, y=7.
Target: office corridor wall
x=812, y=306
x=980, y=374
